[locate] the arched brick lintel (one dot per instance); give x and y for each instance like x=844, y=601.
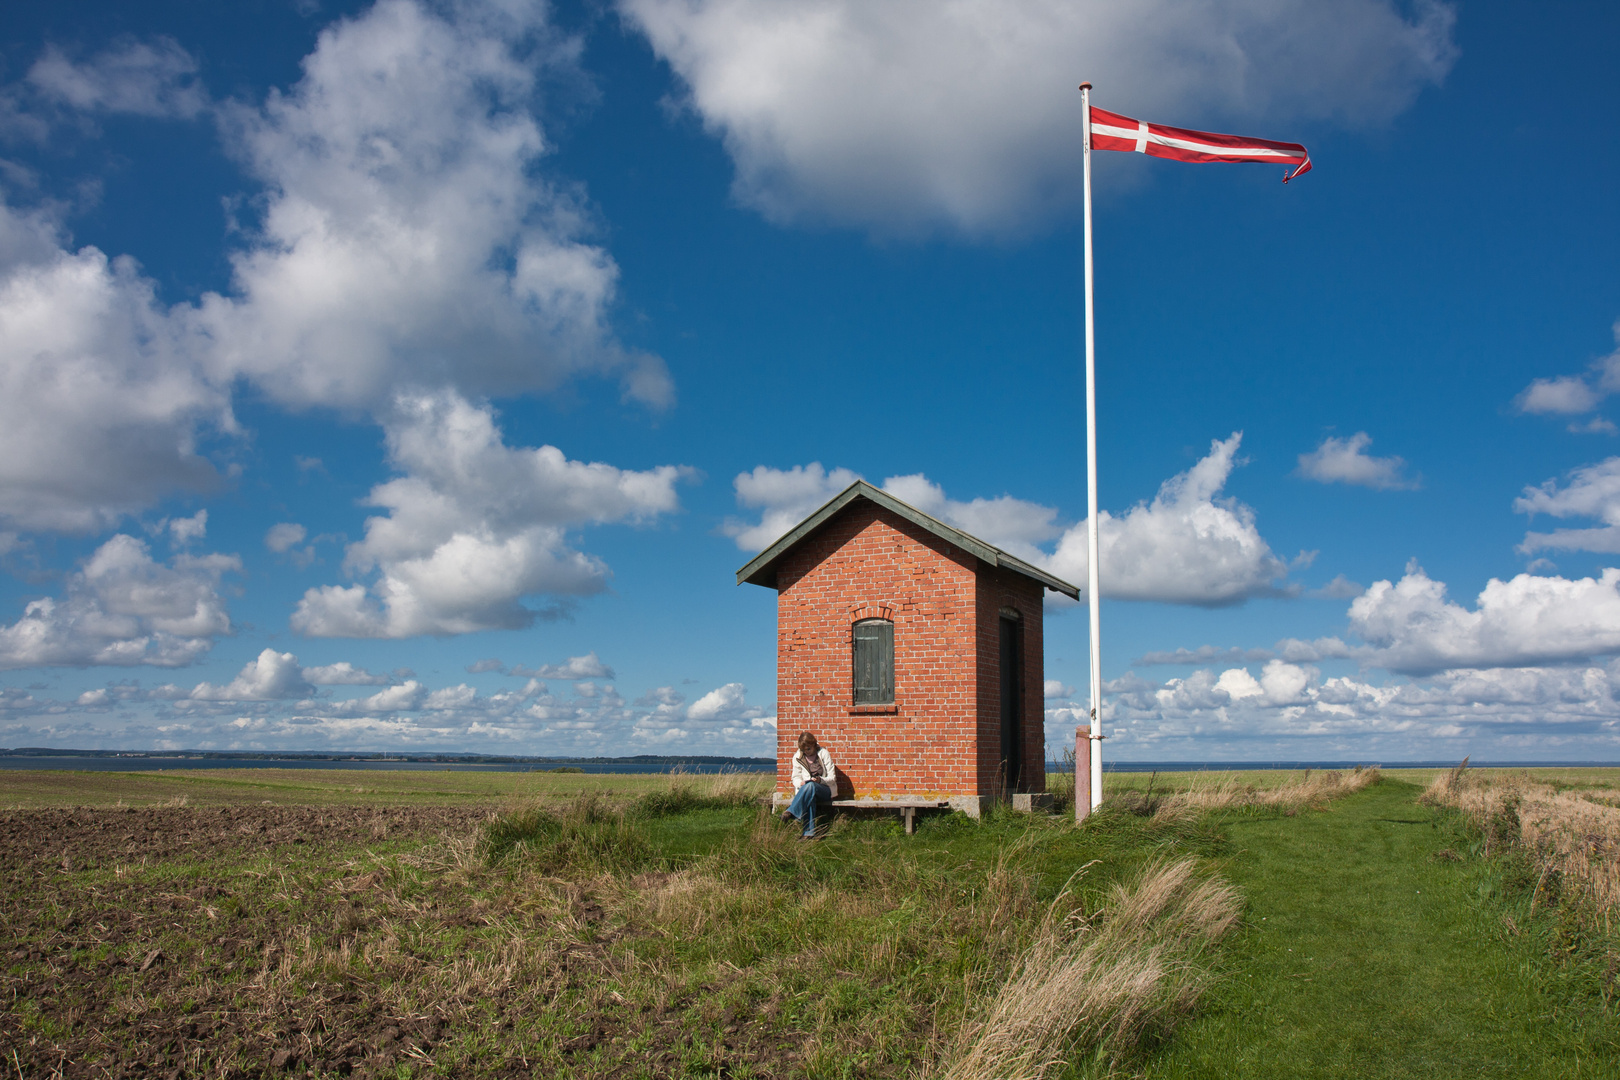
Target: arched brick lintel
x=876, y=609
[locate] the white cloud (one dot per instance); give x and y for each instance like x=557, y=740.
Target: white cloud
x=473, y=527
x=906, y=115
x=123, y=608
x=408, y=696
x=102, y=398
x=283, y=536
x=1290, y=712
x=589, y=666
x=1345, y=461
x=1574, y=395
x=1187, y=546
x=147, y=78
x=343, y=673
x=1566, y=395
x=272, y=676
x=1592, y=491
x=1340, y=588
x=408, y=239
x=723, y=701
x=1525, y=621
x=1057, y=689
x=787, y=496
x=1013, y=525
x=185, y=530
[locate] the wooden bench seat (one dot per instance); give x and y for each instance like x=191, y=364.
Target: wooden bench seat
x=908, y=807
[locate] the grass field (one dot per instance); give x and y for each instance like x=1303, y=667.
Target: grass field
x=25, y=789
x=323, y=923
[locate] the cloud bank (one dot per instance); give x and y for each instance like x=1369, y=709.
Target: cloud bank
x=125, y=608
x=408, y=238
x=1187, y=546
x=912, y=115
x=473, y=527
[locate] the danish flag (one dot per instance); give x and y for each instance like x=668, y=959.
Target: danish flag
x=1111, y=131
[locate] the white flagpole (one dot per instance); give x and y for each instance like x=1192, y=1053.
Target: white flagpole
x=1093, y=590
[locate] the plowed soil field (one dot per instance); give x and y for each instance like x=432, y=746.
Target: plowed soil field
x=136, y=941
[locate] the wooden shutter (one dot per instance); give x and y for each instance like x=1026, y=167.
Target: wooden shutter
x=874, y=662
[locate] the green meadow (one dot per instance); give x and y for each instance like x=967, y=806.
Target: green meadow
x=409, y=924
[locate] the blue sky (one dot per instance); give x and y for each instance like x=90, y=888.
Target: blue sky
x=415, y=376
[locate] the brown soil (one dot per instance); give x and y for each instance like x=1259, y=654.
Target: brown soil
x=90, y=838
x=145, y=942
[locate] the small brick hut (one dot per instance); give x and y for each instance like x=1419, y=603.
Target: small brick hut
x=912, y=649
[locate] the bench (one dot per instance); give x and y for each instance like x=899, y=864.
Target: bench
x=908, y=807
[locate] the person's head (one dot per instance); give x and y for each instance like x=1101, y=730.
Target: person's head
x=807, y=743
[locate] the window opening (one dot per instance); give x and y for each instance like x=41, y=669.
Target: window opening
x=874, y=662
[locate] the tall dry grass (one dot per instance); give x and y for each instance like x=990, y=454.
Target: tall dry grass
x=1105, y=982
x=1572, y=837
x=1215, y=791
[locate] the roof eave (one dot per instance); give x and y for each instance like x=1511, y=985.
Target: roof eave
x=761, y=569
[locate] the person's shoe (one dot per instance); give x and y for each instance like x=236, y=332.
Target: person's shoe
x=809, y=836
x=787, y=817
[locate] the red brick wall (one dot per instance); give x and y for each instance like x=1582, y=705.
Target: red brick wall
x=869, y=563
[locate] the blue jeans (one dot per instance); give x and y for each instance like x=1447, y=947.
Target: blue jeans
x=804, y=802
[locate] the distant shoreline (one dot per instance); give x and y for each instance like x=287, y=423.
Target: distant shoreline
x=52, y=757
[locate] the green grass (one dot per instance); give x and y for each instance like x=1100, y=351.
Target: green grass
x=29, y=788
x=1364, y=956
x=661, y=929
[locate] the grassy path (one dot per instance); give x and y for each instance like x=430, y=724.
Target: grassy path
x=1364, y=957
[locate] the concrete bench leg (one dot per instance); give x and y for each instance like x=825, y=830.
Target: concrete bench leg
x=910, y=814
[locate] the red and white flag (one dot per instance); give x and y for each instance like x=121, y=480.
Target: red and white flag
x=1111, y=131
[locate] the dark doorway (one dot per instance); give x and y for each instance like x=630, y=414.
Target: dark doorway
x=1012, y=704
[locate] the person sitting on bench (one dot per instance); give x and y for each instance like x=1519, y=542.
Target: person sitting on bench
x=813, y=777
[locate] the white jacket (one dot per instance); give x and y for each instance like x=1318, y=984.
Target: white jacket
x=801, y=775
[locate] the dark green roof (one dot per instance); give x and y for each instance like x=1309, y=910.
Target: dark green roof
x=761, y=569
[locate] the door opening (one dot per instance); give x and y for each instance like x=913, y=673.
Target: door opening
x=1012, y=705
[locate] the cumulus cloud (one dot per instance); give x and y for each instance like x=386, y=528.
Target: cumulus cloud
x=103, y=397
x=270, y=677
x=186, y=529
x=473, y=527
x=125, y=608
x=408, y=696
x=1057, y=689
x=1575, y=395
x=1412, y=627
x=343, y=673
x=283, y=536
x=723, y=701
x=154, y=78
x=283, y=539
x=1525, y=621
x=1345, y=461
x=904, y=116
x=1013, y=525
x=1592, y=491
x=589, y=666
x=408, y=238
x=1188, y=546
x=1289, y=711
x=787, y=497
